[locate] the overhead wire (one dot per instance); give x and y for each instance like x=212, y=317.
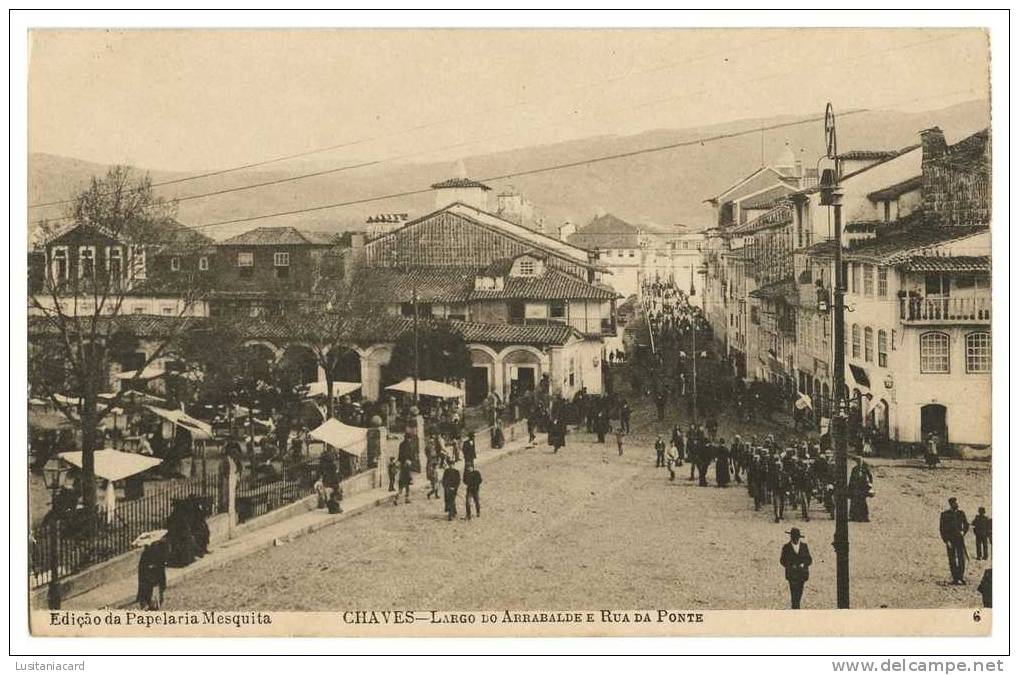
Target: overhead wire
x=376, y=162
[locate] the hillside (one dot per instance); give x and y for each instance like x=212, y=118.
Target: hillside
x=663, y=187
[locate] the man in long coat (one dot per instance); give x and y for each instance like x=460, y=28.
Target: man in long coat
x=953, y=527
x=796, y=560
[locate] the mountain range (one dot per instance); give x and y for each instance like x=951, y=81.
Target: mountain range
x=666, y=187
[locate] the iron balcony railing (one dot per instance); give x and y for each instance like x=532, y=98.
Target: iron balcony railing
x=934, y=310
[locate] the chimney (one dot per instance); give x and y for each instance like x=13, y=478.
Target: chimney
x=933, y=142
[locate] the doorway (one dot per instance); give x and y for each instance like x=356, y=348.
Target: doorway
x=524, y=381
x=934, y=419
x=477, y=385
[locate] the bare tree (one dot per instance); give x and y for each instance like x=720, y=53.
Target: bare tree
x=78, y=326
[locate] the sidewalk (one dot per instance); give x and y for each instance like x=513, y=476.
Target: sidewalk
x=121, y=594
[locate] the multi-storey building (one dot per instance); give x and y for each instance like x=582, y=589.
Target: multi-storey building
x=917, y=261
x=463, y=264
x=918, y=341
x=634, y=254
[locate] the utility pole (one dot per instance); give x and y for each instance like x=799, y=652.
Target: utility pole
x=417, y=365
x=831, y=195
x=693, y=383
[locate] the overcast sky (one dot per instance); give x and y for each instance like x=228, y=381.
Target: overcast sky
x=199, y=100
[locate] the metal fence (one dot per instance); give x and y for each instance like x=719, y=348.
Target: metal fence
x=89, y=539
x=272, y=486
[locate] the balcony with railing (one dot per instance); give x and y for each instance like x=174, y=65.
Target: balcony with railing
x=941, y=310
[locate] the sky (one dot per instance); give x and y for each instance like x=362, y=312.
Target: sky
x=197, y=100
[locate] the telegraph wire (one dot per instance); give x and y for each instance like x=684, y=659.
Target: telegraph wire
x=554, y=167
x=376, y=162
x=419, y=127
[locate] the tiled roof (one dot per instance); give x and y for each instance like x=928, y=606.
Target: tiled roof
x=606, y=231
x=553, y=285
x=499, y=267
x=780, y=214
x=895, y=246
x=435, y=284
x=969, y=153
x=897, y=190
x=277, y=236
x=766, y=199
x=868, y=154
x=460, y=183
x=959, y=263
x=447, y=284
x=361, y=330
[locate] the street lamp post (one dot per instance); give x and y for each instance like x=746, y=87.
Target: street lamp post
x=831, y=195
x=53, y=473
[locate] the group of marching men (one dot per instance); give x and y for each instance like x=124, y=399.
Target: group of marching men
x=783, y=475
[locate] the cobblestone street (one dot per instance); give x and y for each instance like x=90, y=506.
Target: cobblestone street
x=613, y=531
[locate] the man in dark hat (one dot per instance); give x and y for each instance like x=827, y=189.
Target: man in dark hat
x=472, y=481
x=450, y=486
x=954, y=527
x=796, y=560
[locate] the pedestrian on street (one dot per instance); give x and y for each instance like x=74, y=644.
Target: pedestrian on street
x=671, y=459
x=619, y=440
x=722, y=472
x=404, y=483
x=985, y=588
x=450, y=486
x=778, y=484
x=472, y=481
x=152, y=575
x=602, y=426
x=392, y=468
x=408, y=449
x=982, y=532
x=954, y=527
x=624, y=416
x=796, y=560
x=432, y=474
x=659, y=452
x=531, y=428
x=557, y=434
x=660, y=405
x=469, y=450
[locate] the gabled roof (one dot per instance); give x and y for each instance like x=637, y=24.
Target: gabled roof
x=791, y=182
x=538, y=240
x=606, y=231
x=895, y=191
x=277, y=236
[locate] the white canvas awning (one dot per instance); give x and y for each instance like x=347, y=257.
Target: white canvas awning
x=131, y=396
x=199, y=429
x=114, y=464
x=148, y=373
x=339, y=388
x=67, y=400
x=351, y=440
x=427, y=388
